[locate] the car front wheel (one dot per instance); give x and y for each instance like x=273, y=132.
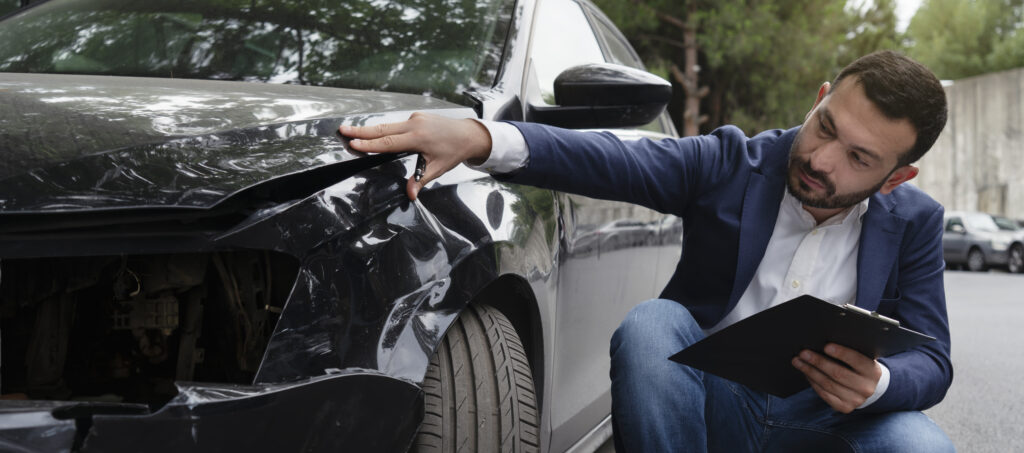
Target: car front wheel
x=478, y=389
x=1016, y=262
x=975, y=261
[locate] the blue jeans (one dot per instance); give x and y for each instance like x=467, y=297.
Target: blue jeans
x=661, y=406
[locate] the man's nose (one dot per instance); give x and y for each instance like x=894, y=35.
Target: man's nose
x=826, y=157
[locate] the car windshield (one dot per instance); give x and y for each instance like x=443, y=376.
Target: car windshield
x=432, y=47
x=1005, y=223
x=980, y=222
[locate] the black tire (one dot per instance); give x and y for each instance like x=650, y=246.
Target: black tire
x=975, y=261
x=478, y=390
x=1015, y=264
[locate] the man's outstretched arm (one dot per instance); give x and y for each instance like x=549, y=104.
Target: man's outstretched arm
x=662, y=175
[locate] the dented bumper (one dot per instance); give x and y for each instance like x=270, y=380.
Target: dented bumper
x=353, y=411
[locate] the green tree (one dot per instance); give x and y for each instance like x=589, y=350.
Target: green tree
x=761, y=60
x=963, y=38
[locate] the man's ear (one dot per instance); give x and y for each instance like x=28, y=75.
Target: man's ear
x=899, y=176
x=822, y=92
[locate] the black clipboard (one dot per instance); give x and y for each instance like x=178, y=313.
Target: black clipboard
x=758, y=351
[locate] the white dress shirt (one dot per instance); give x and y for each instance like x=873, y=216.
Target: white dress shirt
x=803, y=257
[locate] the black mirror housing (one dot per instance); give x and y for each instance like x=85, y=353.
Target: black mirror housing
x=604, y=96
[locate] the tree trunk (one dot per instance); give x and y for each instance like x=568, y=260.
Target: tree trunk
x=691, y=114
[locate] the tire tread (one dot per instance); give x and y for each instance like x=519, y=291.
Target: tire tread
x=478, y=389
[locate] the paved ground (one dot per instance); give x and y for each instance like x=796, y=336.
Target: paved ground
x=984, y=409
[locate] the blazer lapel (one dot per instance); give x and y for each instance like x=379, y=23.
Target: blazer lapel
x=761, y=203
x=879, y=244
x=760, y=210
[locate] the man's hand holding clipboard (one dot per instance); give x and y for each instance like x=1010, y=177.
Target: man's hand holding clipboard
x=759, y=351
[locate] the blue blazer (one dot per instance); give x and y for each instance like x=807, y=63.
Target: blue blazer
x=727, y=188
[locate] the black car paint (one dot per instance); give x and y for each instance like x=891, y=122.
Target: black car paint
x=130, y=143
x=211, y=418
x=380, y=277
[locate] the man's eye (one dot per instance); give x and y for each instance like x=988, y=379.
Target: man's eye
x=825, y=131
x=857, y=159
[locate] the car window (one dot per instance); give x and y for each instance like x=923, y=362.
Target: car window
x=552, y=52
x=432, y=47
x=616, y=48
x=1005, y=223
x=953, y=221
x=980, y=222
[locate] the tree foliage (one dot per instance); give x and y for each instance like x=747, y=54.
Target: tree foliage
x=762, y=60
x=962, y=38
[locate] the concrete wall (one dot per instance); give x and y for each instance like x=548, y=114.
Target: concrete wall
x=978, y=161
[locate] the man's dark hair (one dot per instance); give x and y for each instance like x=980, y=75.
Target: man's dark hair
x=902, y=88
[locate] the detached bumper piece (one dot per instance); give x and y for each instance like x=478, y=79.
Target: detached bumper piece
x=359, y=411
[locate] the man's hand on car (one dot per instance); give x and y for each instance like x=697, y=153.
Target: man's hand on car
x=844, y=387
x=443, y=143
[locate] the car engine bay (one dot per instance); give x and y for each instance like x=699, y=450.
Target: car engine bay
x=124, y=329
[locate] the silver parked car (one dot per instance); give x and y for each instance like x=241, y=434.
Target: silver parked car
x=1015, y=261
x=974, y=240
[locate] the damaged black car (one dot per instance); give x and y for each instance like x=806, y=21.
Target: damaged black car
x=191, y=258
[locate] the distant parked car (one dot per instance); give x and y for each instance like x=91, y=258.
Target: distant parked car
x=1016, y=258
x=974, y=240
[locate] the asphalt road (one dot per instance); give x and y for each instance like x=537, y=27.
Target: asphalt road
x=984, y=409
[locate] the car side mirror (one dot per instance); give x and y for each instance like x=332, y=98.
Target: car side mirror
x=603, y=95
x=958, y=229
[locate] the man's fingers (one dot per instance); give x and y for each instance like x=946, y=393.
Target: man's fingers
x=443, y=142
x=434, y=169
x=385, y=144
x=830, y=368
x=833, y=401
x=860, y=362
x=375, y=131
x=830, y=391
x=837, y=385
x=818, y=376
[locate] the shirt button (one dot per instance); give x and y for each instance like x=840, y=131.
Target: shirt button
x=796, y=283
x=814, y=232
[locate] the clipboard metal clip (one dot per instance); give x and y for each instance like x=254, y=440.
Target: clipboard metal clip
x=872, y=314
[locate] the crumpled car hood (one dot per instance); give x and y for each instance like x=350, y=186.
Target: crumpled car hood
x=71, y=143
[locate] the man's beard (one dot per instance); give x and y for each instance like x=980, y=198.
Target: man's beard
x=802, y=192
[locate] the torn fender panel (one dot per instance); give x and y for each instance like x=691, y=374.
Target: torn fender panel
x=357, y=411
x=357, y=292
x=381, y=278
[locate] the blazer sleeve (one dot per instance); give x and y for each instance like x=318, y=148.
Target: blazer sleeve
x=663, y=175
x=920, y=377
